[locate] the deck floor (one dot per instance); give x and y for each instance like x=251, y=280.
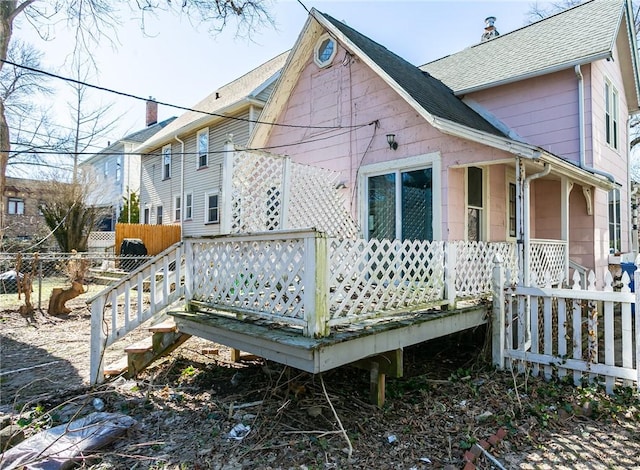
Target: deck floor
x=344, y=346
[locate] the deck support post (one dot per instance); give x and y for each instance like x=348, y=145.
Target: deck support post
x=379, y=366
x=235, y=355
x=498, y=314
x=376, y=385
x=98, y=342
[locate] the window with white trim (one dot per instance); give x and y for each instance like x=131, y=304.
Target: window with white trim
x=203, y=147
x=166, y=162
x=177, y=208
x=211, y=209
x=324, y=51
x=159, y=215
x=615, y=228
x=511, y=204
x=475, y=204
x=118, y=169
x=188, y=206
x=15, y=206
x=611, y=114
x=147, y=215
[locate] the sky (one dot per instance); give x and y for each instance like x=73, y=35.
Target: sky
x=179, y=63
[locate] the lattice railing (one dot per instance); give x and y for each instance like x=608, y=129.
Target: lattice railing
x=474, y=264
x=548, y=258
x=269, y=192
x=372, y=278
x=259, y=275
x=101, y=239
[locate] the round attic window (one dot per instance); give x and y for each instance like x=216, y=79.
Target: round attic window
x=325, y=51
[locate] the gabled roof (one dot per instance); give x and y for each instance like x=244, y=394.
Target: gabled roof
x=221, y=101
x=431, y=94
x=576, y=36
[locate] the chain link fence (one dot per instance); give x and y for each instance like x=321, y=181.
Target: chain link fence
x=48, y=271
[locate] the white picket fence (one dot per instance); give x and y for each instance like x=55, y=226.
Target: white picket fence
x=583, y=332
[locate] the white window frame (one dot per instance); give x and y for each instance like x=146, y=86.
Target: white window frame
x=615, y=242
x=484, y=209
x=177, y=208
x=146, y=215
x=106, y=168
x=316, y=51
x=159, y=215
x=15, y=206
x=166, y=162
x=511, y=180
x=188, y=206
x=429, y=160
x=202, y=152
x=611, y=113
x=207, y=195
x=118, y=169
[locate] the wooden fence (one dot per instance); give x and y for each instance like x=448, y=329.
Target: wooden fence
x=580, y=332
x=156, y=238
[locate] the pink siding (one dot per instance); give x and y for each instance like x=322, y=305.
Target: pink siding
x=547, y=195
x=541, y=110
x=352, y=95
x=581, y=230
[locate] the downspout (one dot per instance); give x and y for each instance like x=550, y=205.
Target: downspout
x=527, y=221
x=581, y=124
x=182, y=201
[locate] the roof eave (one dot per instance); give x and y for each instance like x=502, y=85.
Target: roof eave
x=538, y=73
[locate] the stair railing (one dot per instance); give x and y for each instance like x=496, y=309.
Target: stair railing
x=129, y=302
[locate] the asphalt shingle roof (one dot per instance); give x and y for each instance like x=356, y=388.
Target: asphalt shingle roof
x=564, y=39
x=433, y=95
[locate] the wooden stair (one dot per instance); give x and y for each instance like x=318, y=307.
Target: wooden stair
x=165, y=338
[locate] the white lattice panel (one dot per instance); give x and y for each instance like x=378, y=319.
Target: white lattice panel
x=474, y=265
x=254, y=276
x=101, y=239
x=548, y=258
x=260, y=195
x=377, y=276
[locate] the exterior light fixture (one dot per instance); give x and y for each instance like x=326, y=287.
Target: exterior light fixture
x=391, y=140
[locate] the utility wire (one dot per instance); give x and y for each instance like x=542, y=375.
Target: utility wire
x=184, y=108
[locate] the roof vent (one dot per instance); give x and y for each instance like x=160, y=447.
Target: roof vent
x=490, y=30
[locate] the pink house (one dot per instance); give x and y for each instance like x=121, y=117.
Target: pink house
x=522, y=137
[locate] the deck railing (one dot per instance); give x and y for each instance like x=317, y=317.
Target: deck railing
x=126, y=304
x=582, y=332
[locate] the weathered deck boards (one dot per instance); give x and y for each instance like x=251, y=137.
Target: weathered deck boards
x=345, y=346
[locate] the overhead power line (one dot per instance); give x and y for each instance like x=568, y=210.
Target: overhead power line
x=184, y=108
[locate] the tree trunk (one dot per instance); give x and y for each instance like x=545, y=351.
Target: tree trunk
x=59, y=297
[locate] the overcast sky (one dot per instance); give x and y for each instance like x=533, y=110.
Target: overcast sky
x=179, y=63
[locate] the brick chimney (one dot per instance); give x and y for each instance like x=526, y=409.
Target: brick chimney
x=490, y=30
x=152, y=112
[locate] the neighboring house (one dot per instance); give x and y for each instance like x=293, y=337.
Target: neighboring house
x=23, y=222
x=182, y=165
x=117, y=168
x=522, y=137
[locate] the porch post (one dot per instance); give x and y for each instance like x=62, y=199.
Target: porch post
x=520, y=217
x=227, y=186
x=498, y=313
x=316, y=285
x=565, y=191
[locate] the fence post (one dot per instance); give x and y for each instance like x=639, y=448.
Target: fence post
x=450, y=260
x=40, y=284
x=98, y=341
x=497, y=313
x=188, y=271
x=316, y=285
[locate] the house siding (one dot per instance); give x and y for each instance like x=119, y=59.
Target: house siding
x=352, y=95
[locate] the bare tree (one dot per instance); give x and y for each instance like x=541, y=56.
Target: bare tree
x=96, y=21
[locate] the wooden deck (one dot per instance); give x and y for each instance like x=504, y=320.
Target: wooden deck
x=347, y=345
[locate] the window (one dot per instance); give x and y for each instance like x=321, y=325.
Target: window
x=177, y=208
x=147, y=215
x=400, y=205
x=475, y=204
x=211, y=212
x=118, y=169
x=106, y=169
x=512, y=210
x=159, y=215
x=188, y=206
x=611, y=114
x=203, y=147
x=166, y=162
x=615, y=244
x=325, y=51
x=15, y=206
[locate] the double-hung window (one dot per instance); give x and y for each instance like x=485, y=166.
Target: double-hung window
x=611, y=114
x=166, y=162
x=211, y=210
x=614, y=221
x=475, y=204
x=177, y=208
x=15, y=206
x=203, y=147
x=159, y=215
x=188, y=206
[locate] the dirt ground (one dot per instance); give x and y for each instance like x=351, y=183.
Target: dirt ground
x=187, y=404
